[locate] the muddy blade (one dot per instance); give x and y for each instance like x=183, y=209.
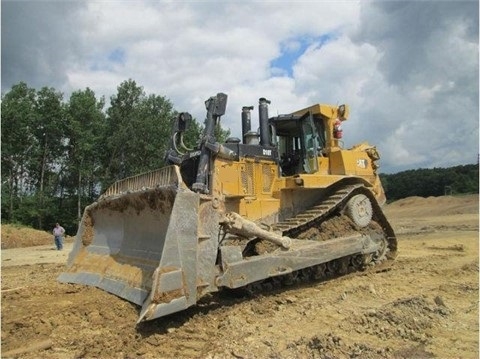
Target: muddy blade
x=120, y=242
x=134, y=246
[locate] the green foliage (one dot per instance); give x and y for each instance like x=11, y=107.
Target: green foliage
x=221, y=134
x=193, y=134
x=48, y=159
x=431, y=182
x=18, y=114
x=137, y=132
x=58, y=156
x=84, y=132
x=32, y=152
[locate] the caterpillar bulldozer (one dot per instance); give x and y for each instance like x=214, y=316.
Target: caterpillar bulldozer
x=284, y=203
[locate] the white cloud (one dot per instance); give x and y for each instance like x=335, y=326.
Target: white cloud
x=408, y=70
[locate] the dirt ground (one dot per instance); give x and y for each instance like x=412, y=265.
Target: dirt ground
x=425, y=306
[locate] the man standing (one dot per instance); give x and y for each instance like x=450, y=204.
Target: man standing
x=58, y=232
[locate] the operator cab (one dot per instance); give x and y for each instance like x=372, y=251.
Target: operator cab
x=300, y=140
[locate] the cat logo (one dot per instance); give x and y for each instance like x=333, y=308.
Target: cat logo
x=362, y=163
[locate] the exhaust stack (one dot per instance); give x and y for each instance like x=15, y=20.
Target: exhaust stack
x=246, y=122
x=263, y=119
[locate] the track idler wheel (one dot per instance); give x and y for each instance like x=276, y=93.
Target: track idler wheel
x=359, y=209
x=382, y=252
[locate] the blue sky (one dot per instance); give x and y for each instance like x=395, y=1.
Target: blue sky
x=292, y=49
x=117, y=56
x=408, y=69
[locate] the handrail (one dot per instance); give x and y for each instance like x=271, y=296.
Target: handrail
x=163, y=177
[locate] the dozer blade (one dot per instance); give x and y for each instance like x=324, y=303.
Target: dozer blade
x=140, y=246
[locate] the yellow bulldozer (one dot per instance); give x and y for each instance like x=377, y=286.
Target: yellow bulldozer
x=282, y=204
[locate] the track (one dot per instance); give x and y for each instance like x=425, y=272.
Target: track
x=326, y=221
x=334, y=203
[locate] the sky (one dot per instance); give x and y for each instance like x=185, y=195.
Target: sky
x=409, y=70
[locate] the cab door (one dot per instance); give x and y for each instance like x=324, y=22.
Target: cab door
x=310, y=144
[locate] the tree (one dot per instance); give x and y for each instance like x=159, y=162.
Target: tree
x=431, y=182
x=221, y=134
x=137, y=133
x=18, y=143
x=120, y=130
x=152, y=127
x=48, y=159
x=86, y=122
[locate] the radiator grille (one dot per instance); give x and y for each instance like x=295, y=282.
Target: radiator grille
x=267, y=178
x=248, y=182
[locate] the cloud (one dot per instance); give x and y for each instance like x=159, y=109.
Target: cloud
x=291, y=50
x=39, y=41
x=429, y=61
x=408, y=70
x=413, y=34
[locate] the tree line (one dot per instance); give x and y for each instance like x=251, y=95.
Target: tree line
x=59, y=155
x=431, y=182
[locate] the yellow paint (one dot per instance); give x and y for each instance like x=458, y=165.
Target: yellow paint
x=253, y=187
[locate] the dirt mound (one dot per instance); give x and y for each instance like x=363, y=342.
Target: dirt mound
x=408, y=318
x=434, y=206
x=14, y=236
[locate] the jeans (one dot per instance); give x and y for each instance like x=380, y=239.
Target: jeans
x=59, y=242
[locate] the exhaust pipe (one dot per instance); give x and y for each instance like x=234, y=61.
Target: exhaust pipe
x=246, y=122
x=263, y=119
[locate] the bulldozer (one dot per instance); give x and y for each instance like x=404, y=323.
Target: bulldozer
x=285, y=203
